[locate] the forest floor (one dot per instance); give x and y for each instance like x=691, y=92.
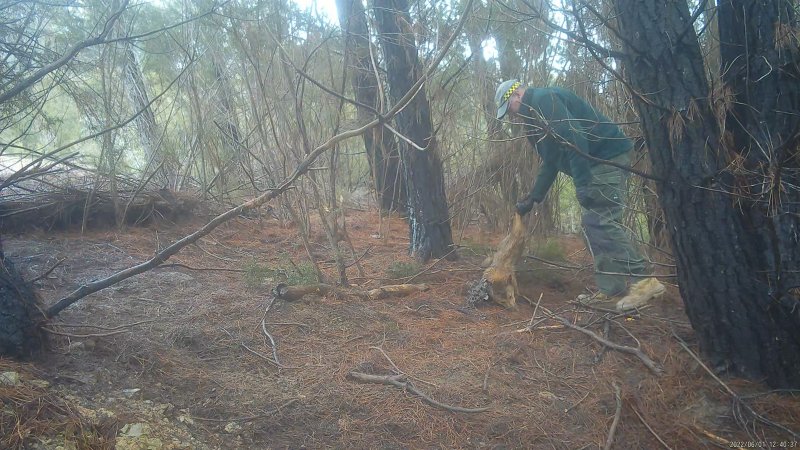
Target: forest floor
x=177, y=357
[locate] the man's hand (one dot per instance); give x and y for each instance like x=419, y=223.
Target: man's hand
x=525, y=205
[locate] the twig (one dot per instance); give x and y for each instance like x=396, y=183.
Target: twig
x=111, y=331
x=221, y=258
x=606, y=333
x=259, y=354
x=652, y=365
x=249, y=418
x=266, y=333
x=296, y=324
x=535, y=309
x=400, y=382
x=737, y=400
x=400, y=372
x=97, y=327
x=411, y=278
x=84, y=335
x=216, y=269
x=717, y=439
x=48, y=271
x=651, y=430
x=578, y=402
x=617, y=415
x=531, y=325
x=486, y=378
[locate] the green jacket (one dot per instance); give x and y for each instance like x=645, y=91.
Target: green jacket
x=556, y=115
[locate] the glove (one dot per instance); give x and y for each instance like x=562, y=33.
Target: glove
x=525, y=205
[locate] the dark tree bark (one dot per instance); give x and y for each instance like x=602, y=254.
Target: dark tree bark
x=381, y=147
x=20, y=316
x=729, y=163
x=429, y=224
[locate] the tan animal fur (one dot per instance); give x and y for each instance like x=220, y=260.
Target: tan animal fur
x=503, y=287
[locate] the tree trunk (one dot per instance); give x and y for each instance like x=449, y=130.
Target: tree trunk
x=146, y=121
x=380, y=145
x=728, y=164
x=429, y=224
x=20, y=317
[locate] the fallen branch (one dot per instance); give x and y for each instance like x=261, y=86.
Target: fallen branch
x=111, y=330
x=249, y=418
x=652, y=365
x=292, y=293
x=606, y=334
x=266, y=333
x=399, y=381
x=651, y=430
x=202, y=269
x=259, y=354
x=397, y=369
x=617, y=415
x=396, y=290
x=82, y=336
x=48, y=271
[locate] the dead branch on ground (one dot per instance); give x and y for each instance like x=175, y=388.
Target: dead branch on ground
x=249, y=418
x=266, y=333
x=637, y=352
x=48, y=271
x=651, y=430
x=292, y=293
x=617, y=415
x=399, y=381
x=111, y=331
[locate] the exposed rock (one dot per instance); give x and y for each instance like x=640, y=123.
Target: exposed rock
x=9, y=378
x=233, y=427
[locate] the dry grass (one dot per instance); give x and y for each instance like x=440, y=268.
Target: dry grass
x=206, y=354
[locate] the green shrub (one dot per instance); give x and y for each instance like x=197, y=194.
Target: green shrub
x=550, y=249
x=255, y=273
x=478, y=248
x=301, y=274
x=399, y=269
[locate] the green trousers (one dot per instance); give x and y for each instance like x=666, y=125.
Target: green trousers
x=616, y=258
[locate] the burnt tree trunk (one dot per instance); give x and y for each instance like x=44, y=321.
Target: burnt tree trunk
x=728, y=161
x=429, y=223
x=381, y=147
x=20, y=316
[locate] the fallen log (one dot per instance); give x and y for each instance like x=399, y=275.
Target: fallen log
x=396, y=290
x=67, y=208
x=293, y=293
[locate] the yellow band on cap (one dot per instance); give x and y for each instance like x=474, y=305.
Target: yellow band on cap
x=511, y=91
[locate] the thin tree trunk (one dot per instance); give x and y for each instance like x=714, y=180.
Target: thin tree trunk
x=429, y=224
x=380, y=144
x=146, y=121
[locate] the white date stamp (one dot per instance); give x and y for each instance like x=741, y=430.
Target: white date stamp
x=764, y=444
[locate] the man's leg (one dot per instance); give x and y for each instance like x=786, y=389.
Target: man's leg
x=615, y=256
